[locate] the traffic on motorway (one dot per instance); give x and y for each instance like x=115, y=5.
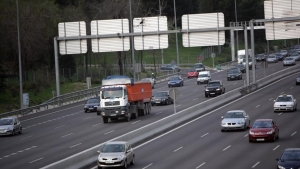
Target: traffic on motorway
x=71, y=126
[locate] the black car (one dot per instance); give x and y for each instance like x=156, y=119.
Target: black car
x=290, y=159
x=214, y=87
x=260, y=57
x=241, y=67
x=92, y=104
x=162, y=97
x=234, y=75
x=279, y=56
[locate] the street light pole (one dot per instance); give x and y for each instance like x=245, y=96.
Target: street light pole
x=162, y=50
x=20, y=60
x=132, y=42
x=237, y=34
x=176, y=34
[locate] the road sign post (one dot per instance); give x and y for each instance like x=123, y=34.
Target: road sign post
x=174, y=94
x=213, y=55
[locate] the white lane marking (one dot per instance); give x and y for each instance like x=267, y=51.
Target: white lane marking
x=271, y=99
x=6, y=156
x=282, y=92
x=195, y=90
x=59, y=127
x=226, y=148
x=276, y=147
x=36, y=160
x=257, y=106
x=246, y=135
x=136, y=122
x=178, y=105
x=25, y=138
x=291, y=87
x=66, y=135
x=294, y=133
x=97, y=124
x=13, y=154
x=109, y=132
x=234, y=83
x=158, y=113
x=177, y=149
x=279, y=114
x=75, y=145
x=87, y=118
x=195, y=99
x=255, y=164
x=204, y=135
x=148, y=166
x=20, y=151
x=200, y=165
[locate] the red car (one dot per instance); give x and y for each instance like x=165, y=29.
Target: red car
x=192, y=73
x=263, y=130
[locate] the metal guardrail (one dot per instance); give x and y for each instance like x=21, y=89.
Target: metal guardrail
x=56, y=102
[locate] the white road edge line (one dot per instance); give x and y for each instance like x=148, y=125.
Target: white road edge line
x=66, y=135
x=200, y=165
x=177, y=149
x=25, y=138
x=257, y=106
x=136, y=122
x=36, y=160
x=109, y=132
x=294, y=133
x=276, y=147
x=291, y=87
x=75, y=145
x=246, y=135
x=195, y=99
x=226, y=148
x=271, y=99
x=178, y=105
x=148, y=166
x=279, y=114
x=255, y=164
x=204, y=135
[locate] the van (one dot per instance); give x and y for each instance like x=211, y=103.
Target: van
x=241, y=55
x=203, y=77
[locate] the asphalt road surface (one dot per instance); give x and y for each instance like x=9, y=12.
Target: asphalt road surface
x=55, y=134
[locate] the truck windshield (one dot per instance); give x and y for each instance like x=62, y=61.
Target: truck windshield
x=107, y=94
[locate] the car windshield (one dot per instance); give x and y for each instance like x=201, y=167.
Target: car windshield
x=92, y=101
x=110, y=148
x=213, y=84
x=262, y=124
x=284, y=99
x=161, y=94
x=174, y=78
x=198, y=66
x=192, y=70
x=249, y=60
x=260, y=55
x=233, y=72
x=291, y=156
x=241, y=56
x=271, y=56
x=294, y=54
x=288, y=59
x=4, y=122
x=278, y=54
x=240, y=66
x=203, y=75
x=283, y=51
x=234, y=115
x=298, y=76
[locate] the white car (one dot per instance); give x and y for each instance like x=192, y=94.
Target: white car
x=289, y=61
x=235, y=120
x=285, y=103
x=272, y=58
x=151, y=80
x=295, y=56
x=284, y=52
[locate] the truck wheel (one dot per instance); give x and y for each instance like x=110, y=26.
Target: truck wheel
x=149, y=108
x=105, y=119
x=128, y=117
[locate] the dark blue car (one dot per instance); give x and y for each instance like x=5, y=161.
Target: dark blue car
x=290, y=158
x=175, y=81
x=92, y=104
x=279, y=56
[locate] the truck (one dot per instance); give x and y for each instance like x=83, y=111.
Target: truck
x=241, y=55
x=121, y=98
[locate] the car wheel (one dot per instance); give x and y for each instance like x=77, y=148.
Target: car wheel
x=222, y=130
x=228, y=79
x=105, y=119
x=132, y=162
x=274, y=138
x=250, y=141
x=20, y=131
x=13, y=133
x=169, y=86
x=224, y=91
x=199, y=83
x=85, y=111
x=99, y=167
x=277, y=136
x=125, y=164
x=206, y=95
x=245, y=127
x=152, y=104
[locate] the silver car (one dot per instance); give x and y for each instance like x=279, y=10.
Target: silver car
x=272, y=58
x=116, y=154
x=235, y=120
x=10, y=126
x=289, y=61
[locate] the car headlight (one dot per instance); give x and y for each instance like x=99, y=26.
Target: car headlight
x=270, y=132
x=218, y=89
x=121, y=157
x=280, y=167
x=289, y=105
x=99, y=158
x=241, y=122
x=85, y=106
x=206, y=90
x=103, y=113
x=251, y=133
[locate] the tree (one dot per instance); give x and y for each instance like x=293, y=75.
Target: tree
x=3, y=77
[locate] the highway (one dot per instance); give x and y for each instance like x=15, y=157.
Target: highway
x=200, y=143
x=53, y=135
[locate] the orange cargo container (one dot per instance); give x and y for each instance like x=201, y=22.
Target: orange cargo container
x=139, y=91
